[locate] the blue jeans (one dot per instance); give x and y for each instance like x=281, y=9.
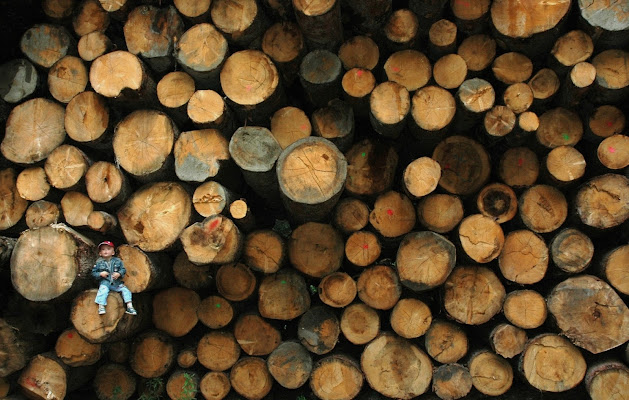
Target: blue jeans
x=105, y=287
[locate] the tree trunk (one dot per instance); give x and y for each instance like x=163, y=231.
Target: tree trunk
x=612, y=152
x=87, y=120
x=393, y=216
x=44, y=377
x=519, y=167
x=446, y=342
x=565, y=165
x=524, y=258
x=451, y=381
x=507, y=340
x=89, y=17
x=32, y=185
x=360, y=323
x=342, y=367
x=283, y=295
x=474, y=97
x=500, y=120
x=379, y=287
x=320, y=22
x=337, y=289
x=410, y=318
x=545, y=85
x=570, y=49
x=250, y=378
x=235, y=282
x=473, y=295
x=103, y=222
x=449, y=71
x=201, y=52
x=471, y=17
x=211, y=198
x=152, y=354
x=362, y=248
x=525, y=309
x=491, y=374
x=559, y=127
x=218, y=350
x=318, y=330
x=440, y=212
x=389, y=104
x=214, y=240
x=315, y=249
x=320, y=74
x=290, y=364
x=240, y=21
x=215, y=312
x=207, y=110
x=256, y=336
x=571, y=250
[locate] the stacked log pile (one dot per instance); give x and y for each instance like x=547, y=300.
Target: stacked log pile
x=316, y=199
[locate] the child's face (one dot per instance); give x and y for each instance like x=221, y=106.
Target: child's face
x=106, y=251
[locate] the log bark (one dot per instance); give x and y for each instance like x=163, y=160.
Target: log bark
x=378, y=362
x=471, y=18
x=155, y=215
x=201, y=52
x=19, y=80
x=45, y=44
x=544, y=363
x=152, y=354
x=63, y=259
x=290, y=364
x=491, y=374
x=360, y=323
x=379, y=287
x=315, y=249
x=524, y=259
x=145, y=271
x=389, y=105
x=240, y=21
x=525, y=309
x=320, y=75
x=599, y=317
x=283, y=295
x=335, y=122
x=250, y=378
x=218, y=350
x=320, y=23
x=255, y=336
x=424, y=260
x=451, y=381
x=336, y=365
x=368, y=16
x=190, y=275
x=464, y=299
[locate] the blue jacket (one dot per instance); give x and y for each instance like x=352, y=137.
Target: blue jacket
x=114, y=265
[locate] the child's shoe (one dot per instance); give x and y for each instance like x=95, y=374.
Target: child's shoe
x=101, y=309
x=131, y=310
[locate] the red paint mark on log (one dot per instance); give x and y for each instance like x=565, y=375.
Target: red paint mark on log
x=390, y=211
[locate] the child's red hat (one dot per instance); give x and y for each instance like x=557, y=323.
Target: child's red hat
x=106, y=242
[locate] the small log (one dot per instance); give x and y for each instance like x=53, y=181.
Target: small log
x=12, y=205
x=289, y=124
x=250, y=378
x=283, y=295
x=45, y=44
x=336, y=365
x=242, y=215
x=360, y=323
x=33, y=130
x=66, y=167
x=612, y=84
x=320, y=23
x=318, y=330
x=42, y=213
x=449, y=71
x=187, y=357
x=145, y=271
x=335, y=122
x=264, y=250
x=315, y=249
x=182, y=383
x=571, y=250
x=440, y=212
x=18, y=348
x=235, y=282
x=613, y=152
x=474, y=97
x=524, y=258
x=497, y=201
x=606, y=379
x=409, y=68
x=87, y=120
x=202, y=155
x=602, y=202
x=519, y=167
x=254, y=93
x=378, y=361
x=442, y=39
x=120, y=75
x=218, y=350
x=212, y=198
x=559, y=127
x=393, y=216
x=174, y=91
x=370, y=168
x=152, y=354
x=507, y=340
x=190, y=275
x=464, y=164
x=451, y=381
x=543, y=208
x=598, y=318
x=424, y=260
x=471, y=17
x=19, y=80
x=283, y=42
x=31, y=184
x=67, y=78
x=410, y=318
x=473, y=295
x=481, y=238
x=76, y=208
x=544, y=363
x=478, y=51
x=75, y=351
x=577, y=84
x=114, y=325
x=240, y=21
x=256, y=151
x=114, y=381
x=545, y=85
x=337, y=289
x=155, y=215
x=603, y=122
x=106, y=184
x=613, y=267
x=491, y=374
x=63, y=257
x=518, y=97
x=359, y=52
x=89, y=16
x=570, y=49
x=350, y=215
x=93, y=45
x=362, y=248
x=401, y=30
x=389, y=105
x=290, y=364
x=201, y=51
x=512, y=67
x=525, y=309
x=215, y=385
x=256, y=336
x=357, y=85
x=150, y=133
x=498, y=122
x=524, y=130
x=215, y=312
x=320, y=74
x=379, y=287
x=565, y=165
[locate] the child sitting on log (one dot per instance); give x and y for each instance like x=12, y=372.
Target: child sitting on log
x=109, y=271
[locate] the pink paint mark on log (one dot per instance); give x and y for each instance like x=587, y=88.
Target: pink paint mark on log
x=365, y=246
x=359, y=73
x=303, y=127
x=70, y=335
x=610, y=123
x=611, y=149
x=390, y=211
x=520, y=162
x=248, y=87
x=396, y=69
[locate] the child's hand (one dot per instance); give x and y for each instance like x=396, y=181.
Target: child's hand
x=116, y=275
x=104, y=274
